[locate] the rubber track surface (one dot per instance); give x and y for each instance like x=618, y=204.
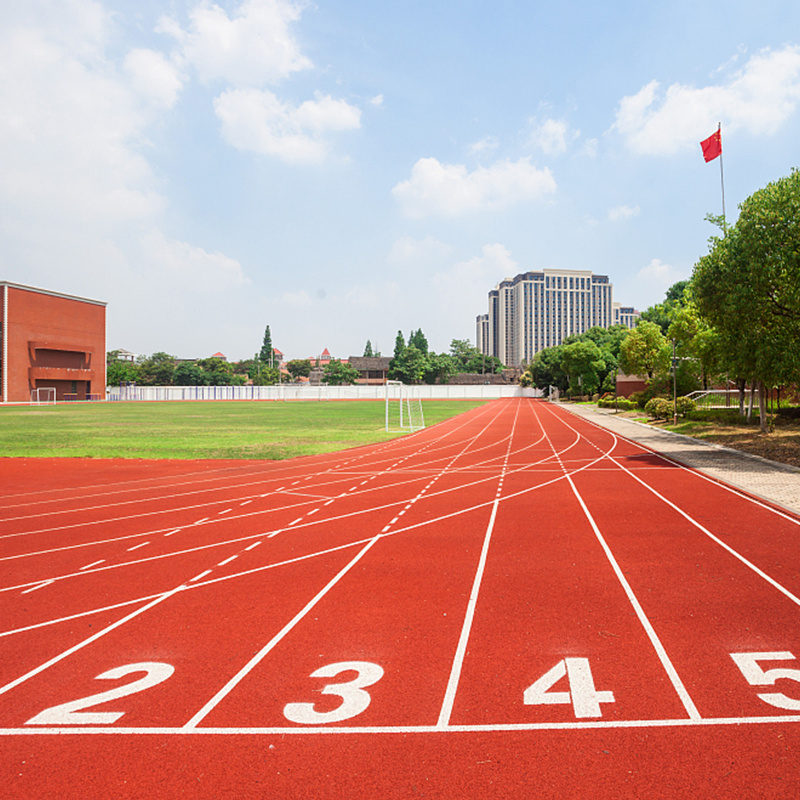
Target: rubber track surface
x=513, y=603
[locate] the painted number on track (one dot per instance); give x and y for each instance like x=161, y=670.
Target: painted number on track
x=72, y=714
x=585, y=699
x=354, y=698
x=756, y=676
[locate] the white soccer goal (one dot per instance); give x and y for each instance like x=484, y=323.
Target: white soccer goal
x=43, y=396
x=403, y=408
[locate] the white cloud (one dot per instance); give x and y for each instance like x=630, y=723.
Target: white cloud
x=427, y=253
x=258, y=121
x=659, y=276
x=487, y=144
x=553, y=136
x=193, y=268
x=377, y=100
x=449, y=190
x=757, y=98
x=253, y=47
x=153, y=77
x=622, y=212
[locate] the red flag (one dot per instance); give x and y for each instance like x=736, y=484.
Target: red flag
x=712, y=147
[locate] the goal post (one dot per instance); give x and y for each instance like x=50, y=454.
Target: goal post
x=403, y=408
x=43, y=396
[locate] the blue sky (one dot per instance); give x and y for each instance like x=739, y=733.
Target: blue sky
x=343, y=169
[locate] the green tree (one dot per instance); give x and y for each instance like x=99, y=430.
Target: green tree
x=188, y=373
x=748, y=288
x=299, y=368
x=417, y=338
x=339, y=373
x=120, y=371
x=583, y=363
x=441, y=367
x=157, y=369
x=399, y=344
x=546, y=370
x=368, y=349
x=266, y=355
x=410, y=366
x=470, y=359
x=645, y=351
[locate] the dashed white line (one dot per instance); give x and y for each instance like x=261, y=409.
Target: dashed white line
x=137, y=546
x=228, y=560
x=226, y=511
x=39, y=586
x=255, y=544
x=93, y=564
x=200, y=576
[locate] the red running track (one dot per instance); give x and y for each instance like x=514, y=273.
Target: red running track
x=512, y=603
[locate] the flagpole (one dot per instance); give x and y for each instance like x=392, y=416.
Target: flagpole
x=722, y=180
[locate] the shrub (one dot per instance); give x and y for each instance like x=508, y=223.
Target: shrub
x=659, y=408
x=685, y=405
x=640, y=398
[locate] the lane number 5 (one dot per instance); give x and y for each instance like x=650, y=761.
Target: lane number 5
x=756, y=676
x=72, y=714
x=354, y=698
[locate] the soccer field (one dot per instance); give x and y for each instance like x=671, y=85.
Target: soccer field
x=224, y=429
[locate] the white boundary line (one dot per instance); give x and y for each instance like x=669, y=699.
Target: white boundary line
x=389, y=729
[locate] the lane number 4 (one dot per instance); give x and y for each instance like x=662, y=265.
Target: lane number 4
x=756, y=676
x=582, y=695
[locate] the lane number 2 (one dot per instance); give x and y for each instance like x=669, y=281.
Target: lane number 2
x=354, y=699
x=582, y=695
x=72, y=713
x=756, y=676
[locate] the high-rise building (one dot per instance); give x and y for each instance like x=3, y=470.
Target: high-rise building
x=536, y=310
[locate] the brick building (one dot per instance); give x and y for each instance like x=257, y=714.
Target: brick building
x=48, y=339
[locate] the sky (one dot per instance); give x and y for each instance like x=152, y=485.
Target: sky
x=345, y=169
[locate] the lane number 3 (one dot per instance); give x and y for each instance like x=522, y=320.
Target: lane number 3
x=756, y=676
x=354, y=698
x=72, y=713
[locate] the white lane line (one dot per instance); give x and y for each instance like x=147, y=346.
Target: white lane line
x=294, y=522
x=93, y=638
x=137, y=546
x=228, y=560
x=461, y=650
x=39, y=586
x=177, y=530
x=313, y=511
x=200, y=576
x=93, y=564
x=258, y=657
x=226, y=511
x=466, y=629
x=246, y=503
x=253, y=546
x=201, y=521
x=666, y=663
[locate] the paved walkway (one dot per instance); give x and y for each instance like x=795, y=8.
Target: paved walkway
x=777, y=483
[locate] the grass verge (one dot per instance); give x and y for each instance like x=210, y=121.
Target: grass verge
x=208, y=429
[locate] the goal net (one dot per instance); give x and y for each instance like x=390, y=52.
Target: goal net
x=43, y=396
x=403, y=408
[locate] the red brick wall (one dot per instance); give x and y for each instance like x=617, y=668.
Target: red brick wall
x=54, y=341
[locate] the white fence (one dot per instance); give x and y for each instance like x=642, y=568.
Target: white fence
x=300, y=392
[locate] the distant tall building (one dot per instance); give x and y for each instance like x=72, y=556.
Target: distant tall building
x=625, y=315
x=536, y=310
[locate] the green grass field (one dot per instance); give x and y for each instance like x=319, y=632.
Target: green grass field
x=208, y=429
